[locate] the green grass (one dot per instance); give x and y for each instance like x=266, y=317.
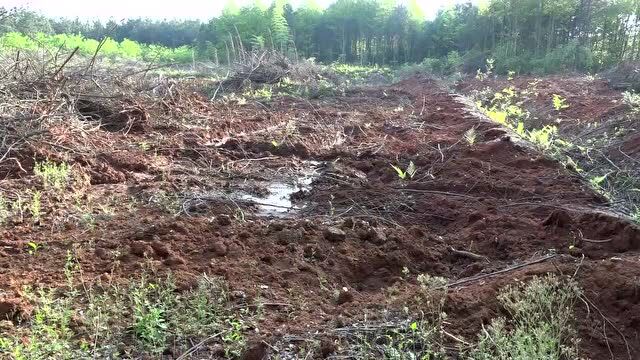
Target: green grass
x=53, y=175
x=145, y=318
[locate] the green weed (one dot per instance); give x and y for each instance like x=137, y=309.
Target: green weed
x=144, y=146
x=167, y=202
x=543, y=138
x=559, y=102
x=541, y=323
x=405, y=174
x=632, y=100
x=33, y=247
x=359, y=73
x=264, y=93
x=50, y=334
x=413, y=339
x=489, y=65
x=88, y=220
x=52, y=174
x=5, y=212
x=635, y=215
x=150, y=310
x=35, y=206
x=139, y=320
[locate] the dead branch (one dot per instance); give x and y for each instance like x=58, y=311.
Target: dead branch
x=468, y=254
x=484, y=276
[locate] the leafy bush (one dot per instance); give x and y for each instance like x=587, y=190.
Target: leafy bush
x=632, y=100
x=408, y=70
x=447, y=65
x=541, y=323
x=452, y=63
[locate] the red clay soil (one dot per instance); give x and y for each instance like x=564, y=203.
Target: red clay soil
x=496, y=198
x=589, y=99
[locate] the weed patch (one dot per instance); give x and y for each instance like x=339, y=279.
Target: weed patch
x=52, y=175
x=145, y=318
x=540, y=325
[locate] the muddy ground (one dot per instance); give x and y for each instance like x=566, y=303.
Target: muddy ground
x=293, y=199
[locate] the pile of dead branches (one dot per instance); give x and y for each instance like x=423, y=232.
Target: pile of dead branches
x=269, y=67
x=41, y=91
x=264, y=67
x=625, y=76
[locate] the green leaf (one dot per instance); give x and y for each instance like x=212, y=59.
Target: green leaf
x=598, y=180
x=399, y=171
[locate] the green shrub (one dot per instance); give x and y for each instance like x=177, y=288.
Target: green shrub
x=452, y=63
x=541, y=323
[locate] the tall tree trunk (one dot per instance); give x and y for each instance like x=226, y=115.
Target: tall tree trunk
x=551, y=36
x=538, y=31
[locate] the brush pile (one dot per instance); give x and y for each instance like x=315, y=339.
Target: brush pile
x=39, y=94
x=625, y=76
x=268, y=67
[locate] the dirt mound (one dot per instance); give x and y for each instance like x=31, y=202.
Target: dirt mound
x=587, y=99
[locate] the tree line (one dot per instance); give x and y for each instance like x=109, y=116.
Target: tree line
x=521, y=35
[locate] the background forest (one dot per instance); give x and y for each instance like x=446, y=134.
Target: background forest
x=538, y=36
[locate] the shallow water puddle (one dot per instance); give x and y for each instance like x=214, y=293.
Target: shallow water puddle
x=278, y=201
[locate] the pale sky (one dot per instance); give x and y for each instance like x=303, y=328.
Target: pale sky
x=158, y=9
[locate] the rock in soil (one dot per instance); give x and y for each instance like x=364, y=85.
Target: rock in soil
x=161, y=249
x=224, y=220
x=256, y=350
x=6, y=325
x=219, y=248
x=174, y=260
x=140, y=248
x=9, y=308
x=344, y=296
x=334, y=234
x=374, y=235
x=559, y=219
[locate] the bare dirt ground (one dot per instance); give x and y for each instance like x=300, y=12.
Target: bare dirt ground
x=596, y=119
x=294, y=199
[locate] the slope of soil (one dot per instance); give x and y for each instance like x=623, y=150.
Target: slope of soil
x=197, y=196
x=598, y=123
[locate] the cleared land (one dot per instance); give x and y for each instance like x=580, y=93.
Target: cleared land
x=295, y=204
